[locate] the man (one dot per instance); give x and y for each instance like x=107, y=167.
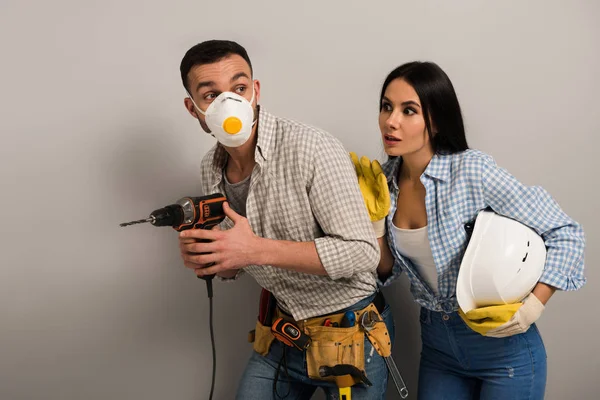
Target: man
x=296, y=222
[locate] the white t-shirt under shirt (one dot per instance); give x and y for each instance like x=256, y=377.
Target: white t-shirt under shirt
x=414, y=244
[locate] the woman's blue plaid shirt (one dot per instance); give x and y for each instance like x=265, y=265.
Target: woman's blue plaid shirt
x=460, y=185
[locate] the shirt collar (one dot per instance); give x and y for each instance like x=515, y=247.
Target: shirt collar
x=438, y=168
x=390, y=169
x=267, y=129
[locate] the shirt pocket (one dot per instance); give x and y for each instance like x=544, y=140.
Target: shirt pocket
x=453, y=228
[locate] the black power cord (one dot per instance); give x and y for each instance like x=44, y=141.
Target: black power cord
x=212, y=335
x=193, y=213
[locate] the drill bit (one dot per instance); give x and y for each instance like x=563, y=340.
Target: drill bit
x=139, y=221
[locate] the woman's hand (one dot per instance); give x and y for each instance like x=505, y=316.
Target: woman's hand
x=526, y=315
x=374, y=188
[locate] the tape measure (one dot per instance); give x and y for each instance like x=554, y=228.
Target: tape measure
x=290, y=334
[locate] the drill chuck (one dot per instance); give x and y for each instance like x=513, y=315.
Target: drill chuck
x=171, y=215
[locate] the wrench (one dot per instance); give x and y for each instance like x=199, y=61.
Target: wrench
x=368, y=321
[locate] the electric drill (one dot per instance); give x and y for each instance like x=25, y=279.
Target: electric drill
x=202, y=212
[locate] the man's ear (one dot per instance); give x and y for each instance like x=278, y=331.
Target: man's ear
x=256, y=84
x=189, y=106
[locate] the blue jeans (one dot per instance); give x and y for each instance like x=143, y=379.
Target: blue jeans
x=458, y=363
x=258, y=378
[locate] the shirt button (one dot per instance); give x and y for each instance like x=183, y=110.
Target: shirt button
x=445, y=317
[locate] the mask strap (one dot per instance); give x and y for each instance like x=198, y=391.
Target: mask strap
x=204, y=113
x=195, y=105
x=251, y=101
x=253, y=93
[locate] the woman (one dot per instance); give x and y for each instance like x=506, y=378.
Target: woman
x=436, y=186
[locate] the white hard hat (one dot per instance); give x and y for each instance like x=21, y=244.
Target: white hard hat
x=502, y=263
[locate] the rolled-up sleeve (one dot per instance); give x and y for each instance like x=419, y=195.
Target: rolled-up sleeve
x=349, y=244
x=534, y=207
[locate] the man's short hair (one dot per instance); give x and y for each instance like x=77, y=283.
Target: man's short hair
x=208, y=52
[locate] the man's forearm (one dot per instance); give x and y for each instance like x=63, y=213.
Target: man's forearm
x=295, y=256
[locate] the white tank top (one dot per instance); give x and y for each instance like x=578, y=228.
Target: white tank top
x=414, y=244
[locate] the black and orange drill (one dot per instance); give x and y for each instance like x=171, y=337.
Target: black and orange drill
x=203, y=212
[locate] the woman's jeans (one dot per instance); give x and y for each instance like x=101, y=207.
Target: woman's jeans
x=458, y=363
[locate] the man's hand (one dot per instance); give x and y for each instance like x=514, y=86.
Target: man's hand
x=228, y=250
x=197, y=267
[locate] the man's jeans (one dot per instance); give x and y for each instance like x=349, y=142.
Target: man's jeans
x=258, y=378
x=458, y=363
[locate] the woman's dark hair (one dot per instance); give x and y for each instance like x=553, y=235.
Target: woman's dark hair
x=438, y=102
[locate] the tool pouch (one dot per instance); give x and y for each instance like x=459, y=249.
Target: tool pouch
x=332, y=346
x=379, y=337
x=262, y=338
x=266, y=307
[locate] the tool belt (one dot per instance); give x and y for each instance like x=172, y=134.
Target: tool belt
x=330, y=345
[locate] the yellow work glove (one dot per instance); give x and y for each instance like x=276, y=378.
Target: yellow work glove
x=484, y=319
x=530, y=311
x=505, y=320
x=375, y=191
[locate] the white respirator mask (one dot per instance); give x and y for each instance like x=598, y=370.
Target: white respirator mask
x=230, y=118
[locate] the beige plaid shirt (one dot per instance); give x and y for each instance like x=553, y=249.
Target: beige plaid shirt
x=304, y=188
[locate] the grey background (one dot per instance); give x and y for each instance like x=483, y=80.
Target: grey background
x=94, y=132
